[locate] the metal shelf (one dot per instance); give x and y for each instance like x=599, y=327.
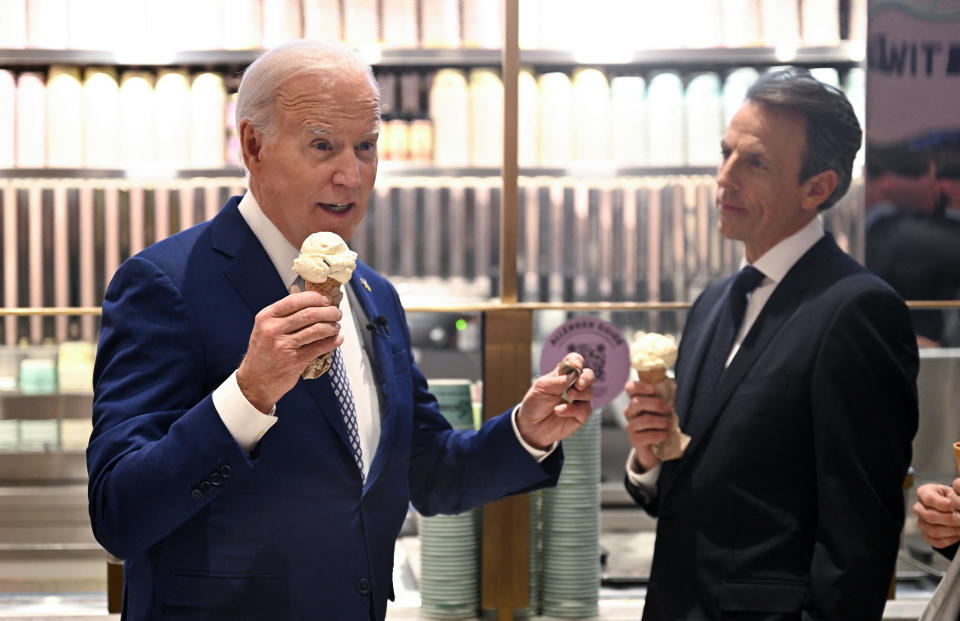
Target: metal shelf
x=846, y=53
x=386, y=170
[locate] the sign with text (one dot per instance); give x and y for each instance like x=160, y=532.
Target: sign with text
x=604, y=350
x=913, y=70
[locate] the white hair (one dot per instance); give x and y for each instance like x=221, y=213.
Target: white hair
x=256, y=97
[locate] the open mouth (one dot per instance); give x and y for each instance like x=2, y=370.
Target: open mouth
x=336, y=207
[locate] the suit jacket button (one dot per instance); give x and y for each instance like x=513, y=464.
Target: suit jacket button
x=196, y=494
x=363, y=586
x=205, y=487
x=215, y=478
x=225, y=471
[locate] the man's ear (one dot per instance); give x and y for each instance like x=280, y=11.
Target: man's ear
x=251, y=141
x=818, y=188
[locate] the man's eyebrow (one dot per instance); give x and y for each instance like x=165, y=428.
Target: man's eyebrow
x=319, y=130
x=746, y=150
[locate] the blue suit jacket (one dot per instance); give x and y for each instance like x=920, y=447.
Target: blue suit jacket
x=288, y=531
x=788, y=502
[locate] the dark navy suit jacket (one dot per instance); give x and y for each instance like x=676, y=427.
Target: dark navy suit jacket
x=288, y=531
x=788, y=502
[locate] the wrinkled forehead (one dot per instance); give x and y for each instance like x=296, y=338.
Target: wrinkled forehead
x=346, y=95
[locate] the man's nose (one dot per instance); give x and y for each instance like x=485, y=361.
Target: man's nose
x=725, y=175
x=348, y=170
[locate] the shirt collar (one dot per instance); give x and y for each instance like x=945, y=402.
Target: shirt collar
x=776, y=262
x=281, y=252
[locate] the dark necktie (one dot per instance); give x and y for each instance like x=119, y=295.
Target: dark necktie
x=724, y=333
x=341, y=389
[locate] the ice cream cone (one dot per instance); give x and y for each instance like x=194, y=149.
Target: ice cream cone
x=956, y=453
x=652, y=376
x=325, y=263
x=321, y=364
x=651, y=355
x=330, y=287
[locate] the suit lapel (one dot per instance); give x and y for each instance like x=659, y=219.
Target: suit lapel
x=377, y=347
x=700, y=338
x=249, y=268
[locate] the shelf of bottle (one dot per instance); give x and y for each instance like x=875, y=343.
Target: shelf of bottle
x=387, y=170
x=844, y=53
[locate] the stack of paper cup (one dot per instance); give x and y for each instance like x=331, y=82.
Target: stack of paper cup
x=571, y=529
x=449, y=561
x=536, y=552
x=449, y=544
x=453, y=397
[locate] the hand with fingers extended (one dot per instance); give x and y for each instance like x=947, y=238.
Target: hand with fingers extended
x=938, y=513
x=648, y=421
x=286, y=336
x=544, y=416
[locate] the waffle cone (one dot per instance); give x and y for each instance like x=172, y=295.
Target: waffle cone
x=664, y=388
x=331, y=288
x=652, y=376
x=956, y=453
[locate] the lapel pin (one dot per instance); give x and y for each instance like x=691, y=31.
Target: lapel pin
x=363, y=281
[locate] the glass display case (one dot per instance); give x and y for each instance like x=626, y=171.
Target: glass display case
x=620, y=226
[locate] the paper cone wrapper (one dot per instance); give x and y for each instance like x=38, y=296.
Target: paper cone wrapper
x=956, y=453
x=321, y=364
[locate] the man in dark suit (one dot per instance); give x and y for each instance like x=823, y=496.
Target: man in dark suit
x=231, y=487
x=798, y=389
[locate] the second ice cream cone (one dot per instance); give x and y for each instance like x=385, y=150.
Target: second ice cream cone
x=956, y=453
x=652, y=376
x=651, y=355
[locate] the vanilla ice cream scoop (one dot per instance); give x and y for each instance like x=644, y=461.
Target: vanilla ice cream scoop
x=325, y=255
x=650, y=350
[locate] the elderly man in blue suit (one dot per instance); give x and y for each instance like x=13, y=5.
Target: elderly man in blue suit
x=228, y=484
x=796, y=380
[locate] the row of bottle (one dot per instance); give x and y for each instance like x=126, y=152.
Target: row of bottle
x=543, y=24
x=452, y=118
x=664, y=120
x=93, y=120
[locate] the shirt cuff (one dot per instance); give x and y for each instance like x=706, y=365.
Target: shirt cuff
x=645, y=481
x=537, y=454
x=245, y=423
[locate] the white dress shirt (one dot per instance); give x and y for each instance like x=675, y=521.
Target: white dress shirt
x=247, y=424
x=775, y=263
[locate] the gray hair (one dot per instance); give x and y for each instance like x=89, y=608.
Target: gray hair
x=256, y=97
x=833, y=134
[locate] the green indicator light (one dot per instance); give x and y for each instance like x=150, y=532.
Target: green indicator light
x=461, y=324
